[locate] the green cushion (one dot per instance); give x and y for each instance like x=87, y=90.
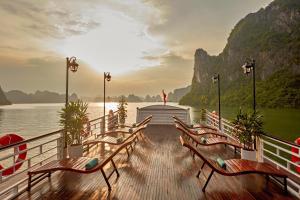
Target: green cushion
x=134, y=125
x=203, y=140
x=221, y=163
x=91, y=164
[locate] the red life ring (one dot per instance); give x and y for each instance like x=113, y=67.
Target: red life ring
x=296, y=159
x=12, y=139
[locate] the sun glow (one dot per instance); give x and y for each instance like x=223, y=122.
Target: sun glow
x=118, y=45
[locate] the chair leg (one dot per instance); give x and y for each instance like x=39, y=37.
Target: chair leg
x=29, y=182
x=106, y=180
x=285, y=185
x=267, y=179
x=209, y=177
x=127, y=151
x=202, y=165
x=199, y=172
x=115, y=168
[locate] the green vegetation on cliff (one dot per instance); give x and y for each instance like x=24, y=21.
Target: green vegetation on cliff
x=281, y=90
x=272, y=37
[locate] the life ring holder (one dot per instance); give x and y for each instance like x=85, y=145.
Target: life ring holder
x=10, y=139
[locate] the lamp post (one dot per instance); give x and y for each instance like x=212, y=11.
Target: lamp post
x=107, y=77
x=73, y=66
x=215, y=79
x=248, y=67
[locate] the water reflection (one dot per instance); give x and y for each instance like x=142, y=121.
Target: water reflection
x=30, y=120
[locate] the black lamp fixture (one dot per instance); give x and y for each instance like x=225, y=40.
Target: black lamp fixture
x=216, y=78
x=72, y=65
x=107, y=77
x=248, y=67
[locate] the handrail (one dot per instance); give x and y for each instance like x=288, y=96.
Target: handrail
x=280, y=140
x=271, y=149
x=103, y=116
x=45, y=135
x=30, y=140
x=39, y=148
x=264, y=134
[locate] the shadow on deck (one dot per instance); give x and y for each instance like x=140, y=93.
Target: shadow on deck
x=159, y=168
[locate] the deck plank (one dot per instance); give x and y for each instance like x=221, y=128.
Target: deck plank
x=158, y=168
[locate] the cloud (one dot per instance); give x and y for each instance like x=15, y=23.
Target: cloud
x=47, y=73
x=150, y=42
x=46, y=19
x=41, y=73
x=188, y=25
x=173, y=71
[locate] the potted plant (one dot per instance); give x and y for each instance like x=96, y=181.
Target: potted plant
x=72, y=118
x=122, y=107
x=247, y=128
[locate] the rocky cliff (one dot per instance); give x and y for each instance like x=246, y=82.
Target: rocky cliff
x=271, y=36
x=3, y=99
x=177, y=94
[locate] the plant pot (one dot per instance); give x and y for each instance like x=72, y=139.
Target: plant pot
x=75, y=151
x=248, y=154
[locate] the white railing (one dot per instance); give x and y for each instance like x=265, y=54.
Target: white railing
x=226, y=126
x=270, y=149
x=40, y=150
x=278, y=153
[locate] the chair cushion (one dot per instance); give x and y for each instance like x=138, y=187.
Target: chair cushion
x=221, y=163
x=91, y=164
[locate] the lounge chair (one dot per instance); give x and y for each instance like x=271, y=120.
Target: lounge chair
x=144, y=122
x=200, y=132
x=197, y=126
x=209, y=141
x=236, y=167
x=106, y=138
x=76, y=165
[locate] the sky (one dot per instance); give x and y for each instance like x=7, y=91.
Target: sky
x=146, y=45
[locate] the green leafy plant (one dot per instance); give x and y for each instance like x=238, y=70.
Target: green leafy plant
x=247, y=127
x=122, y=107
x=72, y=119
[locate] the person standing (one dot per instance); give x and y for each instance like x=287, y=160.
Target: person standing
x=164, y=97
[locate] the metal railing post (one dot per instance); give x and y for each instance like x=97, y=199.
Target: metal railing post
x=63, y=147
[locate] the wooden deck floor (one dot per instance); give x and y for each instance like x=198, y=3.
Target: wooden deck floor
x=159, y=168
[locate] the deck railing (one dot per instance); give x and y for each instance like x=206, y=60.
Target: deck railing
x=269, y=149
x=40, y=150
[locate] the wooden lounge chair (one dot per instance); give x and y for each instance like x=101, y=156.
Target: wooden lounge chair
x=237, y=167
x=209, y=141
x=144, y=122
x=106, y=138
x=197, y=126
x=200, y=132
x=76, y=165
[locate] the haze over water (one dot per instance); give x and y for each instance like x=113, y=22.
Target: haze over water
x=31, y=120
